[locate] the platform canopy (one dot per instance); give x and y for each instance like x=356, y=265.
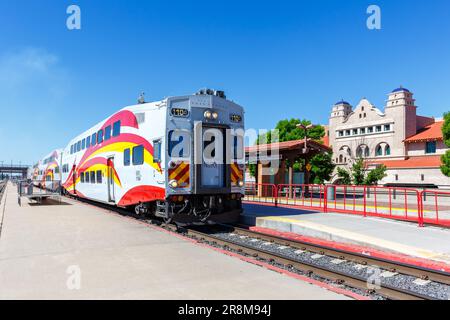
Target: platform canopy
x=265, y=155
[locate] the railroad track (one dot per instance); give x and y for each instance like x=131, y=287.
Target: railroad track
x=307, y=259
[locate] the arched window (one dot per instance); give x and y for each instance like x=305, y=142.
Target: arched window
x=341, y=159
x=363, y=151
x=379, y=151
x=346, y=150
x=387, y=150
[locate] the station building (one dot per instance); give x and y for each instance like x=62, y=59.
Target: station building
x=409, y=145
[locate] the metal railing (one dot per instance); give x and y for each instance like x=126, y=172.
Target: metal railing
x=436, y=207
x=406, y=204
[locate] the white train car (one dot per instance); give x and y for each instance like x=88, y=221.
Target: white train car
x=180, y=158
x=47, y=172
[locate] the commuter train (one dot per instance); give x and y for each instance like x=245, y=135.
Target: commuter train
x=46, y=173
x=180, y=159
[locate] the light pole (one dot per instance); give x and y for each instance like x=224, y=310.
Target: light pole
x=306, y=128
x=305, y=150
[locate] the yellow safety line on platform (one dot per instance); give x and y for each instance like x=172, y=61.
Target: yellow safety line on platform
x=363, y=239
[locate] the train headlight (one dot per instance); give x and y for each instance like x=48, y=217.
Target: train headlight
x=241, y=183
x=215, y=115
x=173, y=184
x=207, y=114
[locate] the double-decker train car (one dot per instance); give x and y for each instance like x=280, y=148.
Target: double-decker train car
x=180, y=159
x=47, y=172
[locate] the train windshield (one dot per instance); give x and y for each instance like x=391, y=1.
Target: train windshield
x=179, y=143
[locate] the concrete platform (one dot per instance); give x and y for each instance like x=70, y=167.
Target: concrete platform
x=47, y=251
x=430, y=243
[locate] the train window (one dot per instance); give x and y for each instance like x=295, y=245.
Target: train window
x=107, y=133
x=179, y=144
x=82, y=177
x=100, y=136
x=157, y=151
x=116, y=129
x=86, y=177
x=238, y=147
x=211, y=144
x=71, y=149
x=126, y=157
x=94, y=139
x=83, y=144
x=88, y=142
x=92, y=176
x=79, y=146
x=138, y=155
x=56, y=169
x=99, y=176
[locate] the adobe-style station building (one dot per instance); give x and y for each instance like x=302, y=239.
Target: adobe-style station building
x=409, y=145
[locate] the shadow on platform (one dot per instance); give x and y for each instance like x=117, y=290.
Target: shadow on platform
x=49, y=202
x=253, y=211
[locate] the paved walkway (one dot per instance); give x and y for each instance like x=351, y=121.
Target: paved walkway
x=388, y=235
x=76, y=251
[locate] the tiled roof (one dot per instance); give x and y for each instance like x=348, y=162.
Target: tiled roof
x=412, y=162
x=431, y=132
x=295, y=144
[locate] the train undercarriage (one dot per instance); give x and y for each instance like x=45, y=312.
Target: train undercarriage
x=195, y=209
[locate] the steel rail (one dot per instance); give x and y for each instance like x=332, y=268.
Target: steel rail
x=392, y=266
x=337, y=277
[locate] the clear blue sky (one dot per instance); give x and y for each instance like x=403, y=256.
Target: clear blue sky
x=279, y=59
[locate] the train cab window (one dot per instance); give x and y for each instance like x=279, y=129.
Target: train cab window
x=92, y=176
x=179, y=144
x=138, y=155
x=86, y=177
x=126, y=157
x=94, y=139
x=79, y=146
x=88, y=142
x=99, y=176
x=107, y=133
x=157, y=151
x=116, y=129
x=57, y=170
x=100, y=136
x=83, y=144
x=238, y=147
x=82, y=177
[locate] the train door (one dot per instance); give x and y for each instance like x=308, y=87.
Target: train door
x=212, y=166
x=111, y=190
x=74, y=179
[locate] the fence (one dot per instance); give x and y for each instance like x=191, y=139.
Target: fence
x=436, y=207
x=261, y=193
x=428, y=206
x=301, y=195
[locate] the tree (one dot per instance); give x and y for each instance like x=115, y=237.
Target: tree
x=288, y=131
x=360, y=175
x=344, y=175
x=375, y=175
x=358, y=172
x=322, y=167
x=445, y=167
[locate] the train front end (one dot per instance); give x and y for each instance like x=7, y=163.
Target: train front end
x=204, y=159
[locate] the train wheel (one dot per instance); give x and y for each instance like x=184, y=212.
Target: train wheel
x=168, y=220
